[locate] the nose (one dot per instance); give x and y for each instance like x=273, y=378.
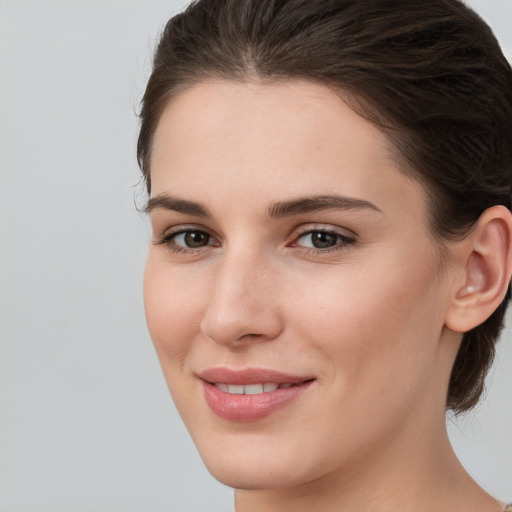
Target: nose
x=244, y=306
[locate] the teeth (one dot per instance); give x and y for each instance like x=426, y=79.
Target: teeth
x=252, y=389
x=235, y=389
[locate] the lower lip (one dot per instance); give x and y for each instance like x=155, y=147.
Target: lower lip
x=234, y=407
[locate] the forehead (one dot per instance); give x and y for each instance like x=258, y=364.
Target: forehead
x=294, y=137
x=268, y=113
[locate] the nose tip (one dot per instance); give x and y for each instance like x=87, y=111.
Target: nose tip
x=243, y=307
x=231, y=321
x=234, y=331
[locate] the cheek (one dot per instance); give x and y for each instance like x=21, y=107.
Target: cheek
x=173, y=308
x=378, y=326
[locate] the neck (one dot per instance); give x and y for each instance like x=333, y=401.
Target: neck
x=408, y=472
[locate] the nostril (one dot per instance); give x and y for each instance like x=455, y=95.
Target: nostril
x=231, y=319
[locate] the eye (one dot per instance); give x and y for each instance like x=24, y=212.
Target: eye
x=192, y=239
x=323, y=240
x=187, y=240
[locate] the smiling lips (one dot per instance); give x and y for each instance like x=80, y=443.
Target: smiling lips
x=250, y=394
x=252, y=389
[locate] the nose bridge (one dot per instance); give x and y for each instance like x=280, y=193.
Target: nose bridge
x=243, y=303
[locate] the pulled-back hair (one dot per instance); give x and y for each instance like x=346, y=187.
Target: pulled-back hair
x=430, y=75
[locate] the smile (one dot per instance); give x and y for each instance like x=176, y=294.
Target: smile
x=251, y=394
x=252, y=389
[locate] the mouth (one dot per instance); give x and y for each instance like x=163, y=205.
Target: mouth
x=254, y=389
x=251, y=394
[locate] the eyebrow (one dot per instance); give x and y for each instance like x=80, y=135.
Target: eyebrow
x=318, y=203
x=276, y=210
x=167, y=202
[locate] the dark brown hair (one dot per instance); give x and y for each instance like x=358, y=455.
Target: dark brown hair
x=430, y=74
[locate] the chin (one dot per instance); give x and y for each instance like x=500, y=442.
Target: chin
x=258, y=463
x=252, y=477
x=248, y=482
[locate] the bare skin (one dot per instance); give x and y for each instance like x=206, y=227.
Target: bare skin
x=354, y=295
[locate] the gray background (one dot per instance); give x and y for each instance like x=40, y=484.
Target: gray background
x=86, y=422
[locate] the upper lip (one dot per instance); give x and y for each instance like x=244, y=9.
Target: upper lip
x=250, y=376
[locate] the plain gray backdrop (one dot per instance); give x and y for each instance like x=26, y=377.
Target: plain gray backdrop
x=86, y=421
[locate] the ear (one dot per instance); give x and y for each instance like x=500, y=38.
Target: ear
x=485, y=260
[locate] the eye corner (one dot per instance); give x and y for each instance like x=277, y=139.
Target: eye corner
x=186, y=240
x=323, y=239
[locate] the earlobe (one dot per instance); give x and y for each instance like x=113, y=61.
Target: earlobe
x=486, y=260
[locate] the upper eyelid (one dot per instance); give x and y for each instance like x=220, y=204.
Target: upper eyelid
x=296, y=233
x=167, y=239
x=328, y=228
x=344, y=238
x=167, y=234
x=181, y=228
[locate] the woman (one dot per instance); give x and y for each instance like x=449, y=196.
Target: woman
x=330, y=192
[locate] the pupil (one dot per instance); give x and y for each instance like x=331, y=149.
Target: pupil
x=323, y=240
x=196, y=239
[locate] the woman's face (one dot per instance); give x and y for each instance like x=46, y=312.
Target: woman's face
x=290, y=252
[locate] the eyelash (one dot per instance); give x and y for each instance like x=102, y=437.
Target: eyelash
x=168, y=240
x=344, y=241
